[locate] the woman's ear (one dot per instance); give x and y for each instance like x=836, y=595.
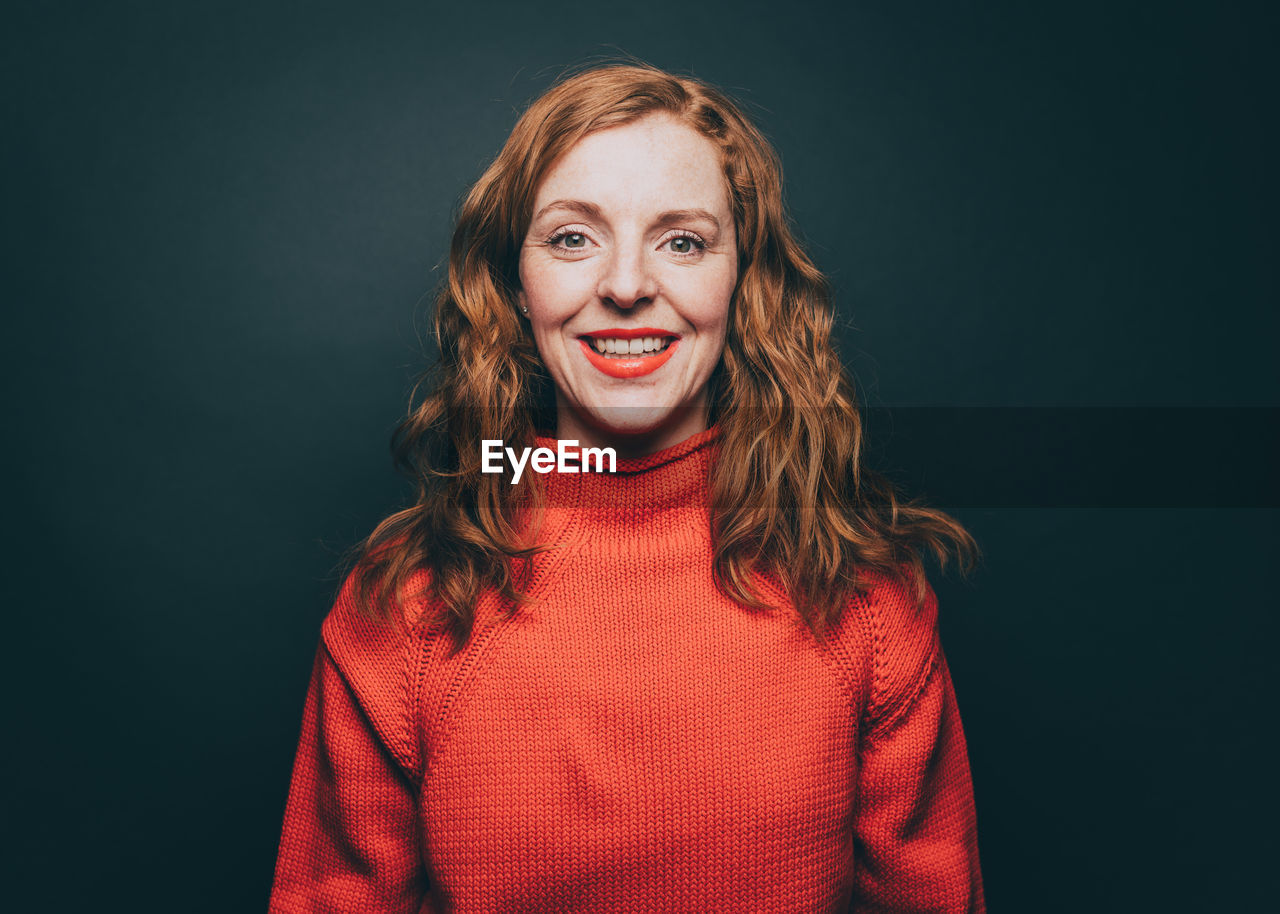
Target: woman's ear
x=521, y=303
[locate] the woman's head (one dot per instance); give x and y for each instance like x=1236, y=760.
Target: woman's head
x=636, y=157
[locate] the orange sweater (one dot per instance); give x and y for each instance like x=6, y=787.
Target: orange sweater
x=632, y=740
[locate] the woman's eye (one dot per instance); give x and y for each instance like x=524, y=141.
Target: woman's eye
x=684, y=244
x=568, y=241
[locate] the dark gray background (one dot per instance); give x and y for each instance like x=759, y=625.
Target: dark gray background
x=224, y=222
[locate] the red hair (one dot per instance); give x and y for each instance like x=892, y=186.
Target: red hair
x=789, y=497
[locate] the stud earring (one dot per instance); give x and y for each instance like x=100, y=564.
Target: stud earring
x=524, y=309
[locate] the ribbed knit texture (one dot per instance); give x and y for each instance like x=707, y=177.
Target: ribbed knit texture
x=633, y=741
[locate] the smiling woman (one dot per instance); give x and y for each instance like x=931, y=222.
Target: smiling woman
x=708, y=680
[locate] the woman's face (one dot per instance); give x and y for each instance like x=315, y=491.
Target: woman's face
x=627, y=272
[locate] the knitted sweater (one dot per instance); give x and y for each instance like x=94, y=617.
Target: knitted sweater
x=632, y=740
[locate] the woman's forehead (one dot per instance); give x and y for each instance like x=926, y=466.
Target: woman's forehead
x=654, y=162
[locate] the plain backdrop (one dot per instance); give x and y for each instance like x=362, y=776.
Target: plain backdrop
x=1051, y=232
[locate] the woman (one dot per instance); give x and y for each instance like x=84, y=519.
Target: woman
x=707, y=681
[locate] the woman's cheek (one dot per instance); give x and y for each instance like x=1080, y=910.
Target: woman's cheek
x=558, y=289
x=711, y=303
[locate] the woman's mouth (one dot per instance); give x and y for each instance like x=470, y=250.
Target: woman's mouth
x=614, y=348
x=629, y=353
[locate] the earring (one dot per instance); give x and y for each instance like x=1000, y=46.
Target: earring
x=524, y=309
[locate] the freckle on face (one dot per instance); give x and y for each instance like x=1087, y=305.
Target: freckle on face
x=603, y=259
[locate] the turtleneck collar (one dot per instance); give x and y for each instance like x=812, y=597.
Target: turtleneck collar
x=640, y=493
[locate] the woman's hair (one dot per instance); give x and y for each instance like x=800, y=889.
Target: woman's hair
x=789, y=497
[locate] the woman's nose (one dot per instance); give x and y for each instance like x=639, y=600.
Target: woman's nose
x=627, y=279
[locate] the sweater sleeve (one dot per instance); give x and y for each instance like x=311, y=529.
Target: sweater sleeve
x=915, y=831
x=350, y=840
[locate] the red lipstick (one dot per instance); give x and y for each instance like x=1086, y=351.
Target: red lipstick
x=634, y=366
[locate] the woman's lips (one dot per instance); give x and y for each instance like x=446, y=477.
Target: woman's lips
x=632, y=365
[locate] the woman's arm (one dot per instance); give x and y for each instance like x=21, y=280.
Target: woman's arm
x=350, y=840
x=915, y=831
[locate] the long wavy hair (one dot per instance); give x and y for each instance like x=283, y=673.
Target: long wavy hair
x=789, y=497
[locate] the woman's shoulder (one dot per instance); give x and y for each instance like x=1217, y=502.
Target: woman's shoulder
x=376, y=657
x=361, y=622
x=889, y=632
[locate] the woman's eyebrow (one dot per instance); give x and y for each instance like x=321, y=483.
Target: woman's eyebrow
x=581, y=207
x=592, y=211
x=674, y=216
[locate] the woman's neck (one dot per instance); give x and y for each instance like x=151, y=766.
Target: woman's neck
x=632, y=432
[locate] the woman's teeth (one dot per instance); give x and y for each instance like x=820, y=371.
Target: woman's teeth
x=626, y=348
